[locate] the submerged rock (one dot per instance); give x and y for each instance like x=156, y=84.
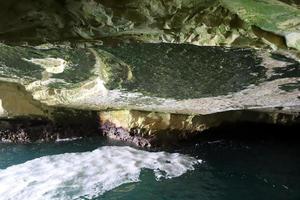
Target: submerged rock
x=139, y=90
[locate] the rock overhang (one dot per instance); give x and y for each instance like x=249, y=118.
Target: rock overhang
x=187, y=65
x=178, y=78
x=202, y=22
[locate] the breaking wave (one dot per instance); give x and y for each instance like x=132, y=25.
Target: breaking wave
x=89, y=174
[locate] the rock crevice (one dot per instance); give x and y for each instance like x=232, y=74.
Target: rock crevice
x=142, y=70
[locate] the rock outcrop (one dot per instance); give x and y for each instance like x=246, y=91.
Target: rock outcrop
x=272, y=16
x=200, y=22
x=146, y=88
x=137, y=70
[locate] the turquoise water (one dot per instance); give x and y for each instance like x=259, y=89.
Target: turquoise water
x=230, y=169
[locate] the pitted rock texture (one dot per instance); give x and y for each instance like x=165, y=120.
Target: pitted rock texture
x=172, y=78
x=146, y=67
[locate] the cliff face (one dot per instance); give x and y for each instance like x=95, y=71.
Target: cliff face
x=141, y=68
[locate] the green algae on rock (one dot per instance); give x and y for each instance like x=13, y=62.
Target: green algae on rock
x=141, y=67
x=201, y=22
x=162, y=77
x=197, y=73
x=270, y=15
x=138, y=89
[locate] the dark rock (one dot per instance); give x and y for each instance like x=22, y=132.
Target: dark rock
x=118, y=133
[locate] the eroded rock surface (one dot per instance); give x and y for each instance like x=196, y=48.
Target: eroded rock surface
x=199, y=22
x=171, y=78
x=149, y=129
x=182, y=84
x=139, y=68
x=273, y=16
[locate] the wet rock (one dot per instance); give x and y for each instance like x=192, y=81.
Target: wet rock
x=147, y=79
x=119, y=133
x=163, y=129
x=171, y=78
x=26, y=130
x=142, y=89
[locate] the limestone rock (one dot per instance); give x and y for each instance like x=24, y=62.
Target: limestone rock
x=272, y=15
x=153, y=128
x=141, y=90
x=16, y=102
x=141, y=67
x=199, y=22
x=170, y=78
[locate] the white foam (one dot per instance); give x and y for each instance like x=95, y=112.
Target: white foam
x=89, y=174
x=2, y=110
x=67, y=139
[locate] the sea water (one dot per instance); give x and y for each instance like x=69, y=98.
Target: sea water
x=95, y=168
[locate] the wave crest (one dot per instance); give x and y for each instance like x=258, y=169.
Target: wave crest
x=89, y=174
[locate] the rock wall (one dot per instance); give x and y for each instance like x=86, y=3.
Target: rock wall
x=201, y=22
x=136, y=69
x=148, y=88
x=148, y=129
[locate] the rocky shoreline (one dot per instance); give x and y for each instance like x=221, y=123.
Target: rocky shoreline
x=138, y=99
x=153, y=73
x=24, y=131
x=152, y=132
